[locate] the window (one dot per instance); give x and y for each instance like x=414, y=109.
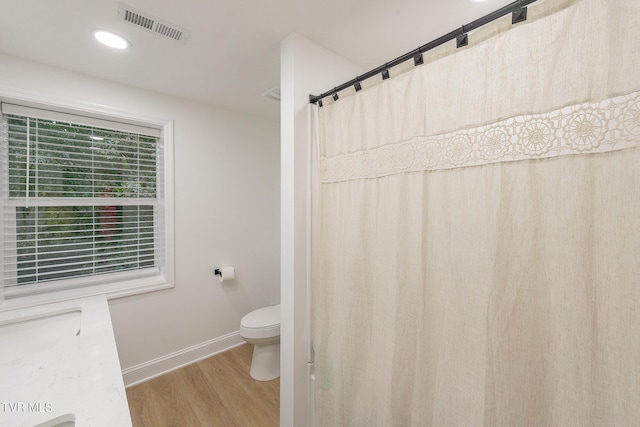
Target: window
x=82, y=201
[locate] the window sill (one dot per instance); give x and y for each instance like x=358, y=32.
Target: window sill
x=110, y=290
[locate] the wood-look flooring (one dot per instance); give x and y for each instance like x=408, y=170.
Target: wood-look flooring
x=216, y=391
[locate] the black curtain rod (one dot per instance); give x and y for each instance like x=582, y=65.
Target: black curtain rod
x=518, y=9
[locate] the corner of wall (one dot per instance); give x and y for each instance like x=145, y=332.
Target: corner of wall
x=306, y=68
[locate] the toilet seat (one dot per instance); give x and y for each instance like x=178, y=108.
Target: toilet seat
x=261, y=323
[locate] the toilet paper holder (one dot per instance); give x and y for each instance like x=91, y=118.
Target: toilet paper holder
x=225, y=273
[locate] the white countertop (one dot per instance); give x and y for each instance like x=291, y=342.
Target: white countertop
x=57, y=373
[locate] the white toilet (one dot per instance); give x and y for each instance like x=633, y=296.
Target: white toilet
x=261, y=328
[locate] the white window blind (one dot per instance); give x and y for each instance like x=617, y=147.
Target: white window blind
x=80, y=199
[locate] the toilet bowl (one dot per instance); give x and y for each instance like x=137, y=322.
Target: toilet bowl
x=261, y=328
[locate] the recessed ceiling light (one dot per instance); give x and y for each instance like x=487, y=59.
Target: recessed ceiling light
x=110, y=39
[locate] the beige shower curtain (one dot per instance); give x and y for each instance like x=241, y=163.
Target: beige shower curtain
x=477, y=232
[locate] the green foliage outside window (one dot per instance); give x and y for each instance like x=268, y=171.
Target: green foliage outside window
x=69, y=161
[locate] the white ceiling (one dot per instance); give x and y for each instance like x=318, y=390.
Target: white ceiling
x=233, y=54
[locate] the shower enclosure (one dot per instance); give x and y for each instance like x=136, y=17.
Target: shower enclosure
x=476, y=234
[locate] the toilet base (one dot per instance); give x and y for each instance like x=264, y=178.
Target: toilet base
x=265, y=363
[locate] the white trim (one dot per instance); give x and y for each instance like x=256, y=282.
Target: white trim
x=76, y=117
x=166, y=278
x=110, y=290
x=115, y=280
x=23, y=96
x=165, y=364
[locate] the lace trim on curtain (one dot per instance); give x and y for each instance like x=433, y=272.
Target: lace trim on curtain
x=608, y=125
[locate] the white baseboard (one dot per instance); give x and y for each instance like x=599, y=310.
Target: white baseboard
x=156, y=367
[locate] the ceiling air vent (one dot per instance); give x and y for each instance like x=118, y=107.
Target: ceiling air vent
x=273, y=93
x=148, y=22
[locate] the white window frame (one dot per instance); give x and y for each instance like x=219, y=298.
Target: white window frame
x=113, y=285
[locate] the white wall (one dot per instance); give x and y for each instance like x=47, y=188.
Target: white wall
x=226, y=213
x=305, y=68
